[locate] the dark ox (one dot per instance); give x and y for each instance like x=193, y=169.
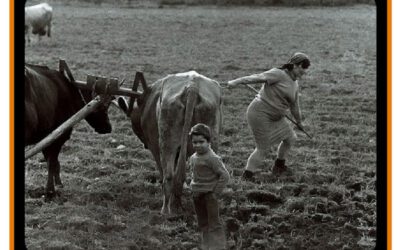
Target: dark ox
x=50, y=99
x=37, y=19
x=162, y=120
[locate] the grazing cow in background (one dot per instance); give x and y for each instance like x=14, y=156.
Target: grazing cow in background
x=37, y=18
x=162, y=120
x=50, y=99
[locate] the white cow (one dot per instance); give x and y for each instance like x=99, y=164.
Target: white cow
x=38, y=17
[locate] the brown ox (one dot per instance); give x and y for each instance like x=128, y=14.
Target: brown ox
x=50, y=99
x=162, y=120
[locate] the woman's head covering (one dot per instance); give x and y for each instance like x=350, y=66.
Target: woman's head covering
x=300, y=58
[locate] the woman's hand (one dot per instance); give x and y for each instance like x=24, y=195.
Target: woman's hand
x=300, y=126
x=232, y=83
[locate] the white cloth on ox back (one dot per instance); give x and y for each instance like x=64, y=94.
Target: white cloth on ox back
x=174, y=85
x=173, y=90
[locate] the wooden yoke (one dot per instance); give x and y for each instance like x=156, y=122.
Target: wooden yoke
x=63, y=67
x=102, y=85
x=139, y=78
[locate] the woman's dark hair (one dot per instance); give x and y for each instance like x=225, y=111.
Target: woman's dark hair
x=297, y=58
x=289, y=66
x=201, y=129
x=305, y=64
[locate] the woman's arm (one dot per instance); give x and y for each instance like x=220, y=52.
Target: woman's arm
x=256, y=78
x=295, y=109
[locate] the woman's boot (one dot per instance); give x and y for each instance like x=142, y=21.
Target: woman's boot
x=279, y=166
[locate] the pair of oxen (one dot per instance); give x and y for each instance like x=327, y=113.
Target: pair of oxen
x=161, y=118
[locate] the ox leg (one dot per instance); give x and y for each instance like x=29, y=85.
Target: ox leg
x=175, y=200
x=49, y=30
x=172, y=190
x=167, y=188
x=50, y=190
x=160, y=170
x=53, y=168
x=57, y=178
x=27, y=31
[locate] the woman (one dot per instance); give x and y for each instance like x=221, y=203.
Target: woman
x=266, y=113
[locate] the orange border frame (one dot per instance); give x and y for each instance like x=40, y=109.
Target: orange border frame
x=11, y=212
x=389, y=124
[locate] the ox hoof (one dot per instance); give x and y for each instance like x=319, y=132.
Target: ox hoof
x=164, y=211
x=175, y=217
x=50, y=195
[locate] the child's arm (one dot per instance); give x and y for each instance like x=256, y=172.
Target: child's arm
x=223, y=174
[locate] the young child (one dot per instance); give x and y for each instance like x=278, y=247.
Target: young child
x=209, y=177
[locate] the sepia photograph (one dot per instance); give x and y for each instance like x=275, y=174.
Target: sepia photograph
x=201, y=124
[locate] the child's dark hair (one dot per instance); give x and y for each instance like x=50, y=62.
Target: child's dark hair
x=201, y=129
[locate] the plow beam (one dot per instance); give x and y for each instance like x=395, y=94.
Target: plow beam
x=77, y=117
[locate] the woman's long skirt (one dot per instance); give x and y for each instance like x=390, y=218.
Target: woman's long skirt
x=268, y=128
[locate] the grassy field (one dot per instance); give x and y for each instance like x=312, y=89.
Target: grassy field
x=111, y=197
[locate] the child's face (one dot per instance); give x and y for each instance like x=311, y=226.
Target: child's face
x=200, y=144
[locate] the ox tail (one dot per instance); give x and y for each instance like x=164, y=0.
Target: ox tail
x=179, y=172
